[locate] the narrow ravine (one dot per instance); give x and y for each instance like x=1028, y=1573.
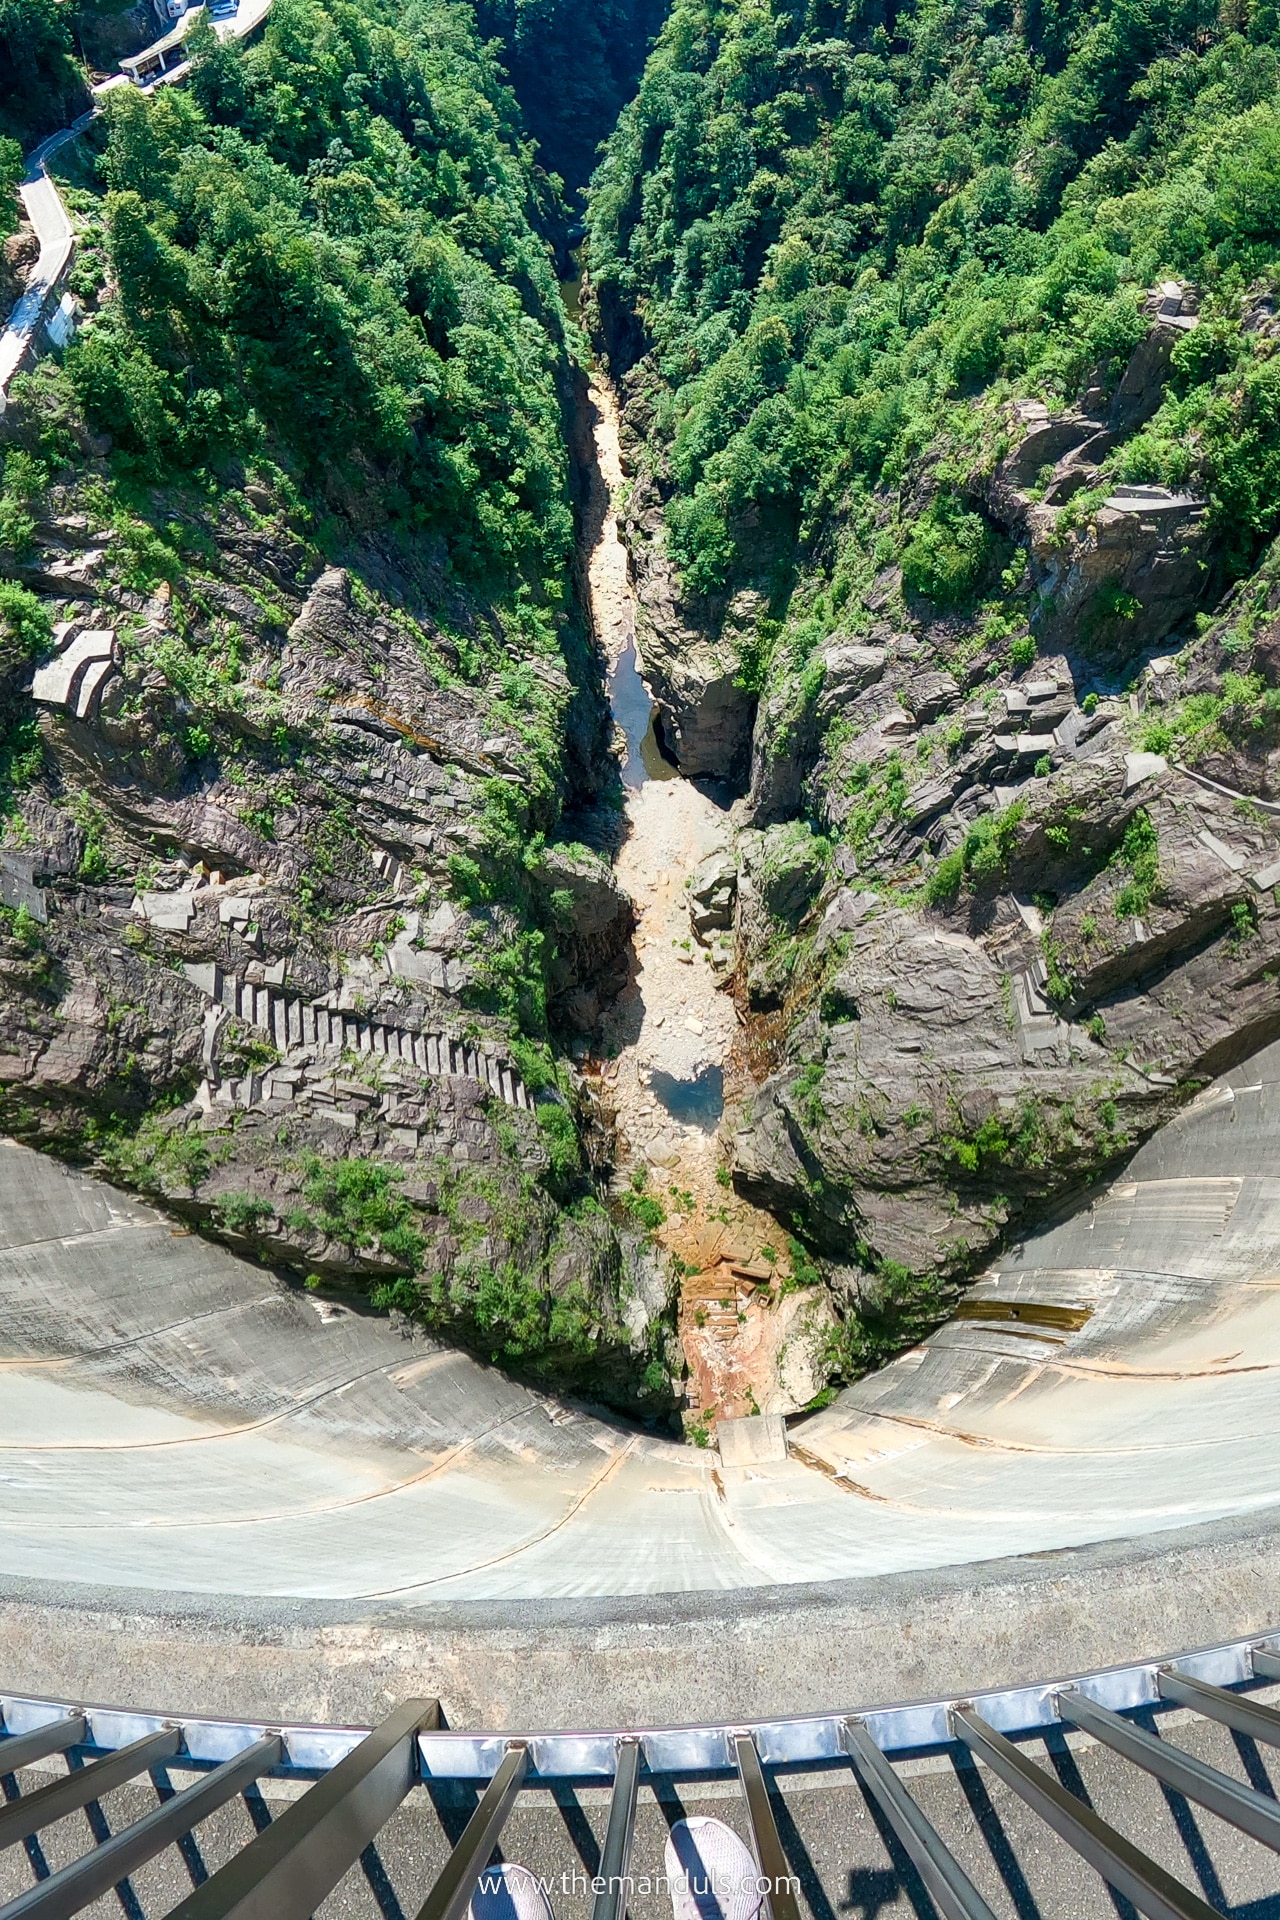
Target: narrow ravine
x=668, y=1055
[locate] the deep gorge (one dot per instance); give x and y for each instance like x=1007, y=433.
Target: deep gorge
x=934, y=347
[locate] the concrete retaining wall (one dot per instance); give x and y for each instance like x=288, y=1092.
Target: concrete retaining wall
x=755, y=1652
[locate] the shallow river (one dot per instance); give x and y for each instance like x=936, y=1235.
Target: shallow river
x=668, y=1043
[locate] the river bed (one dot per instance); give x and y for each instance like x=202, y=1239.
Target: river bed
x=668, y=1045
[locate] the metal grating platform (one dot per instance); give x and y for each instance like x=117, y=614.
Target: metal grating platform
x=347, y=1783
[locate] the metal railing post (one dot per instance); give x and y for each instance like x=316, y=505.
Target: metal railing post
x=945, y=1880
x=451, y=1894
x=32, y=1811
x=1122, y=1865
x=615, y=1860
x=73, y=1887
x=1215, y=1703
x=1250, y=1811
x=765, y=1844
x=21, y=1749
x=287, y=1870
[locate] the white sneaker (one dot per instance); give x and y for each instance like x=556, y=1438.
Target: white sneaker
x=712, y=1874
x=509, y=1891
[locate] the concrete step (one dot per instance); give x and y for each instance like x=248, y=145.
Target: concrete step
x=292, y=1022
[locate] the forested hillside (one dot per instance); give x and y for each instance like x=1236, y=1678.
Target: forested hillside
x=355, y=287
x=840, y=224
x=573, y=64
x=945, y=339
x=293, y=909
x=946, y=334
x=41, y=82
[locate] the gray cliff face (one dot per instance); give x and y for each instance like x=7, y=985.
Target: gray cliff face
x=993, y=903
x=954, y=1069
x=691, y=645
x=915, y=1117
x=594, y=918
x=268, y=964
x=692, y=669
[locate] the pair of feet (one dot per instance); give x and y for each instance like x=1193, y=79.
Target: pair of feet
x=707, y=1870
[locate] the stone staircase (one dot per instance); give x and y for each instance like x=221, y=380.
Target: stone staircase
x=1039, y=1024
x=293, y=1024
x=717, y=1316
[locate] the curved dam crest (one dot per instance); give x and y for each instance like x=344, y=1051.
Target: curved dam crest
x=180, y=1420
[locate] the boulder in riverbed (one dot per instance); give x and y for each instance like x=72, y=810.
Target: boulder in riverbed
x=713, y=889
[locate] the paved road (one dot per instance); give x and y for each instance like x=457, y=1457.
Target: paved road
x=48, y=216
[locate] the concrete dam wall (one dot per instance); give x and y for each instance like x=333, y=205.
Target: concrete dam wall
x=190, y=1445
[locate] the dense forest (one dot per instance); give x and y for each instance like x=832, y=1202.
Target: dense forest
x=357, y=286
x=840, y=224
x=945, y=341
x=946, y=338
x=42, y=83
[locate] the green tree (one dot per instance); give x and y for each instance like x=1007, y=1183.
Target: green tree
x=10, y=175
x=41, y=83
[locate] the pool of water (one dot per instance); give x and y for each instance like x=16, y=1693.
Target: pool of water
x=694, y=1103
x=633, y=709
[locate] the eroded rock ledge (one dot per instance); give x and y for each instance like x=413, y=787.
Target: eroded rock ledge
x=999, y=897
x=265, y=961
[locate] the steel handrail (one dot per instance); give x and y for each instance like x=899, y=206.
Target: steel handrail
x=298, y=1859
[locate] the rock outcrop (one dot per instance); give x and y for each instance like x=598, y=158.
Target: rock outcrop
x=713, y=888
x=705, y=714
x=1124, y=574
x=1109, y=941
x=917, y=1120
x=594, y=918
x=692, y=647
x=790, y=724
x=272, y=939
x=1126, y=578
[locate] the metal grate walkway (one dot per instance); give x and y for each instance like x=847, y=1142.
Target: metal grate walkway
x=438, y=1802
